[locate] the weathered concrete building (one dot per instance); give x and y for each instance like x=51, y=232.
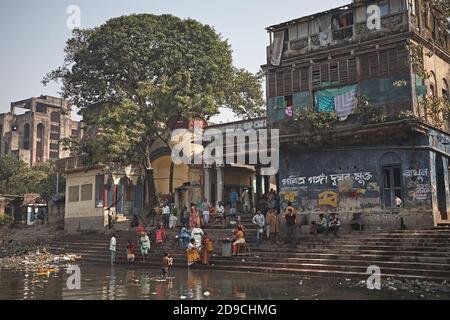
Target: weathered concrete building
x=34, y=135
x=345, y=88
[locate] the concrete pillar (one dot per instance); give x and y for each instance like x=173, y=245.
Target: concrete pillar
x=258, y=185
x=220, y=183
x=207, y=183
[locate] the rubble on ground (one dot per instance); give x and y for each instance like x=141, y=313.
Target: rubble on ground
x=413, y=286
x=32, y=257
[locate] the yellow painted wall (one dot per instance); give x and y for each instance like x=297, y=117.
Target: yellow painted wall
x=234, y=176
x=161, y=174
x=82, y=208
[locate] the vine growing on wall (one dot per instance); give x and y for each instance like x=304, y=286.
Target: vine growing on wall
x=431, y=109
x=368, y=113
x=318, y=120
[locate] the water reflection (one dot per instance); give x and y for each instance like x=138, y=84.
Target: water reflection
x=118, y=282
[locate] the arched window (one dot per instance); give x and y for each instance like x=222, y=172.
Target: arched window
x=26, y=136
x=445, y=90
x=433, y=88
x=40, y=142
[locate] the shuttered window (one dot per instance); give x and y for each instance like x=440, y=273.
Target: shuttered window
x=393, y=62
x=352, y=70
x=272, y=84
x=334, y=71
x=316, y=79
x=305, y=74
x=296, y=80
x=287, y=82
x=364, y=68
x=280, y=83
x=384, y=65
x=324, y=72
x=343, y=71
x=373, y=65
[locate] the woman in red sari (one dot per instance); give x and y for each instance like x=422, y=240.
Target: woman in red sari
x=207, y=248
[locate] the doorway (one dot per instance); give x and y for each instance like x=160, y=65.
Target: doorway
x=392, y=185
x=440, y=188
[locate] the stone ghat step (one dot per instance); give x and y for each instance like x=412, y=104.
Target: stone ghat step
x=311, y=269
x=336, y=260
x=90, y=253
x=280, y=254
x=320, y=246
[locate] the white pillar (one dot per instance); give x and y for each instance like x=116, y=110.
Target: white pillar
x=220, y=183
x=207, y=183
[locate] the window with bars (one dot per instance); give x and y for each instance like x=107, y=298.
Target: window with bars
x=74, y=193
x=86, y=192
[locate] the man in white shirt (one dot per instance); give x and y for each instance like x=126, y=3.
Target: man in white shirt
x=205, y=208
x=113, y=248
x=166, y=216
x=260, y=222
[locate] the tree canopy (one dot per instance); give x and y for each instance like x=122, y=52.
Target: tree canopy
x=16, y=178
x=131, y=75
x=185, y=61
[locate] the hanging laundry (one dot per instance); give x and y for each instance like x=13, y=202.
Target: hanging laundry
x=325, y=38
x=289, y=111
x=345, y=104
x=325, y=100
x=277, y=48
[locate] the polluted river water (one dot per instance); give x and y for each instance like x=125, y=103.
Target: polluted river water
x=123, y=282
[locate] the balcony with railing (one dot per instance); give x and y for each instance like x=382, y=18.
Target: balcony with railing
x=72, y=164
x=338, y=36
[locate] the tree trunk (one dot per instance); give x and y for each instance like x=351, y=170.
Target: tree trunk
x=171, y=178
x=151, y=190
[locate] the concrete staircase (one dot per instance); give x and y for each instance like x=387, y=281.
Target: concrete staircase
x=423, y=254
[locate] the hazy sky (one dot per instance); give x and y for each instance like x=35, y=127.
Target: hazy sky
x=33, y=33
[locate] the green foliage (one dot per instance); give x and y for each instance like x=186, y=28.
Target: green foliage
x=318, y=120
x=16, y=178
x=5, y=220
x=416, y=54
x=435, y=111
x=133, y=74
x=184, y=62
x=368, y=113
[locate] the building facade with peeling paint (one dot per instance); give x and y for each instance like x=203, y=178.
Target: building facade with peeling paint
x=348, y=99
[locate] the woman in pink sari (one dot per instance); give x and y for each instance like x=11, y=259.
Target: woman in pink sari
x=193, y=217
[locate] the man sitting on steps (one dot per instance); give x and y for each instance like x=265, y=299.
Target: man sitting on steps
x=334, y=225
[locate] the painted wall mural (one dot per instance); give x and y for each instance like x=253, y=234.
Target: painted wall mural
x=331, y=192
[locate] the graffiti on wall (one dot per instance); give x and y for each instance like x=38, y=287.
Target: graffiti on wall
x=329, y=198
x=421, y=192
x=419, y=174
x=348, y=195
x=334, y=179
x=416, y=182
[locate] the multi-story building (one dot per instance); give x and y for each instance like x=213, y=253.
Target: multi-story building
x=32, y=130
x=348, y=90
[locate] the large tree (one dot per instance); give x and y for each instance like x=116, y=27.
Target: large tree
x=16, y=178
x=146, y=69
